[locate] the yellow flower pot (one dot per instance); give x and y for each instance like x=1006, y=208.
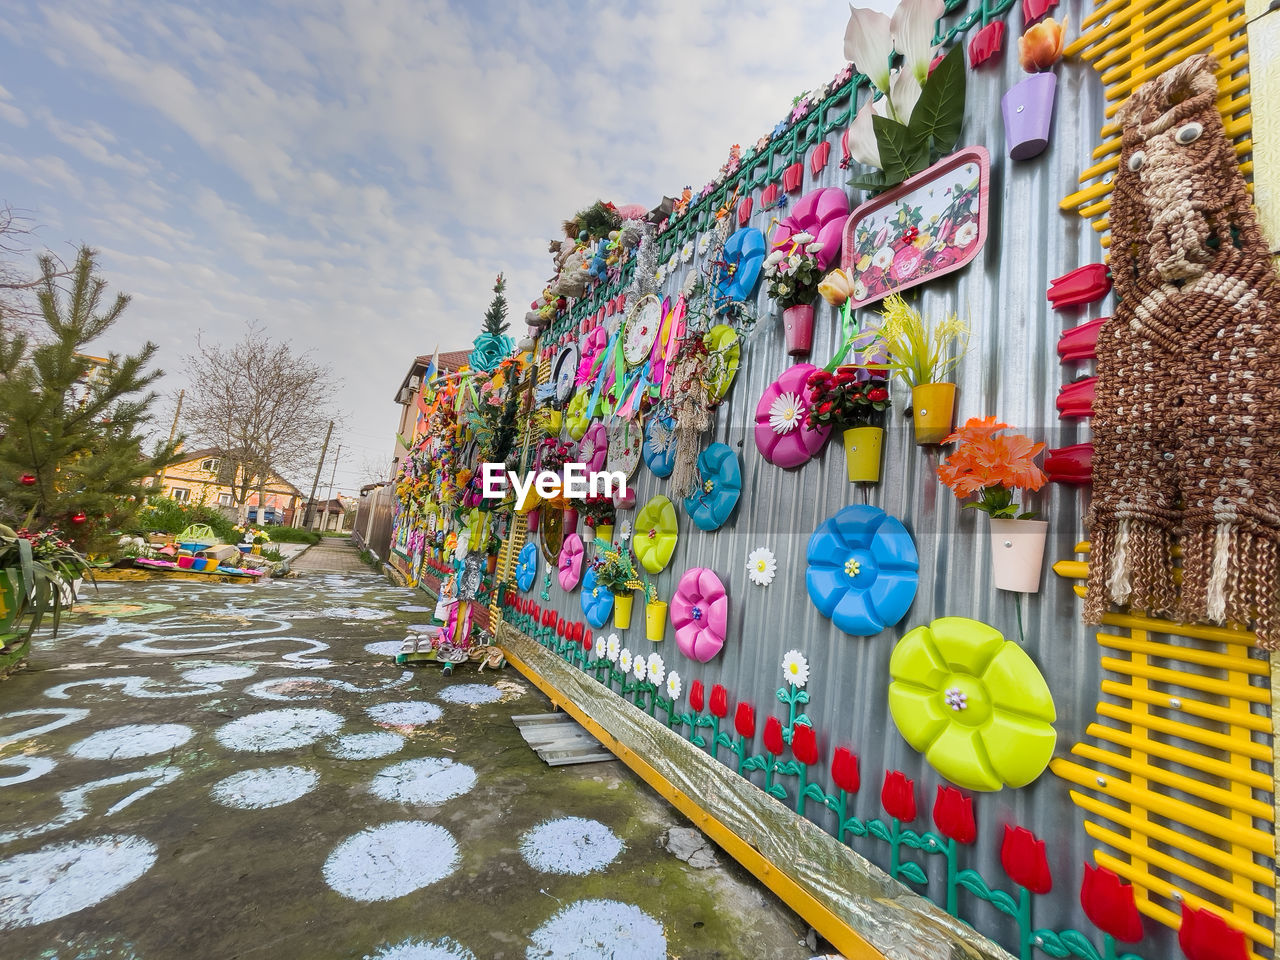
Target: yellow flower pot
x=933, y=407
x=257, y=550
x=604, y=531
x=622, y=610
x=655, y=620
x=862, y=446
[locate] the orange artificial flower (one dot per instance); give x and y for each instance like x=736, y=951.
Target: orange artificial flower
x=836, y=287
x=983, y=460
x=1042, y=45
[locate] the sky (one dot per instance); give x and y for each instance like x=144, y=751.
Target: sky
x=352, y=174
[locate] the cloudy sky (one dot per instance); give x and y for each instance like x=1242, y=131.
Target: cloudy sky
x=353, y=173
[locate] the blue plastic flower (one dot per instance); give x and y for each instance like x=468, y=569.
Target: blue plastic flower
x=527, y=566
x=597, y=601
x=862, y=570
x=743, y=258
x=659, y=450
x=718, y=489
x=489, y=351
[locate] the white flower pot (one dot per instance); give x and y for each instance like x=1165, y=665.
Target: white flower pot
x=1017, y=554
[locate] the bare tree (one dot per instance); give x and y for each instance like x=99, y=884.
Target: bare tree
x=18, y=278
x=260, y=405
x=376, y=469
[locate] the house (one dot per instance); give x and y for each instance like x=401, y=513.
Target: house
x=201, y=477
x=325, y=515
x=411, y=414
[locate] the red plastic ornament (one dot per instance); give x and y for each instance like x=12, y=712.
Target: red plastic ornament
x=744, y=720
x=898, y=796
x=1110, y=904
x=844, y=770
x=720, y=702
x=773, y=736
x=804, y=744
x=78, y=518
x=28, y=480
x=696, y=699
x=953, y=815
x=1024, y=860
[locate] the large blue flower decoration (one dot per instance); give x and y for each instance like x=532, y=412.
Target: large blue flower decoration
x=737, y=276
x=659, y=450
x=862, y=570
x=719, y=486
x=527, y=566
x=489, y=350
x=597, y=601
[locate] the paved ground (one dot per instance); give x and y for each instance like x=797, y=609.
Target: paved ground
x=330, y=555
x=228, y=771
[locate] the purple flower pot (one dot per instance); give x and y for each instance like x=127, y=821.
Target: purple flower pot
x=1028, y=115
x=798, y=322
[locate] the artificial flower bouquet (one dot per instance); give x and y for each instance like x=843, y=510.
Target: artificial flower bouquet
x=992, y=467
x=923, y=353
x=849, y=397
x=793, y=275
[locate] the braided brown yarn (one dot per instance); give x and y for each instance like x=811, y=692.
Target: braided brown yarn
x=1187, y=410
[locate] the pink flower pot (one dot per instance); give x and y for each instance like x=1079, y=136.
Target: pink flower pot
x=798, y=322
x=1017, y=554
x=186, y=563
x=570, y=521
x=1028, y=115
x=533, y=520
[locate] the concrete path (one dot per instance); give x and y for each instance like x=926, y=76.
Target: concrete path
x=240, y=771
x=331, y=555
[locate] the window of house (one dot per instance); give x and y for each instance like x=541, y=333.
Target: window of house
x=181, y=494
x=209, y=466
x=224, y=499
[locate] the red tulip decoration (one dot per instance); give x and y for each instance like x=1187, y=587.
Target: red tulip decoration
x=898, y=796
x=719, y=701
x=695, y=719
x=804, y=744
x=695, y=695
x=953, y=816
x=1110, y=905
x=744, y=721
x=1206, y=936
x=804, y=747
x=773, y=736
x=844, y=770
x=1024, y=860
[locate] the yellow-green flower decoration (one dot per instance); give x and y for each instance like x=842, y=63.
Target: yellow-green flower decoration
x=656, y=532
x=973, y=703
x=577, y=416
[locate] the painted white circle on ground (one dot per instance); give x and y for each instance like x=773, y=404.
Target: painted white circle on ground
x=442, y=949
x=383, y=648
x=599, y=930
x=470, y=693
x=34, y=767
x=218, y=674
x=391, y=860
x=429, y=780
x=278, y=729
x=368, y=746
x=571, y=845
x=132, y=740
x=407, y=713
x=354, y=613
x=265, y=787
x=415, y=608
x=64, y=878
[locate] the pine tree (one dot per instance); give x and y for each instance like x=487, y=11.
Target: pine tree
x=495, y=318
x=71, y=444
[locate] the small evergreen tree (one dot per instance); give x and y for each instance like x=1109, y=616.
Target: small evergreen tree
x=495, y=318
x=71, y=447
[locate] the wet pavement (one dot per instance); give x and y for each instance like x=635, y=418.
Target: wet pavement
x=196, y=770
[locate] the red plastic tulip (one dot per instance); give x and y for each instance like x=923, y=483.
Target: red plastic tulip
x=818, y=159
x=986, y=43
x=719, y=701
x=1076, y=399
x=844, y=770
x=953, y=815
x=1081, y=342
x=1033, y=10
x=744, y=211
x=560, y=627
x=695, y=695
x=769, y=196
x=1205, y=936
x=1073, y=464
x=804, y=744
x=744, y=721
x=792, y=177
x=586, y=643
x=773, y=736
x=1081, y=285
x=1110, y=904
x=28, y=479
x=1024, y=860
x=898, y=795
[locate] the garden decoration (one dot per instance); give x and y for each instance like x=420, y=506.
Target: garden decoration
x=578, y=414
x=640, y=329
x=527, y=566
x=1082, y=285
x=690, y=406
x=659, y=450
x=820, y=214
x=571, y=562
x=625, y=440
x=993, y=467
x=723, y=353
x=931, y=225
x=700, y=614
x=656, y=533
x=736, y=274
x=592, y=348
x=1070, y=465
x=1075, y=399
x=862, y=571
x=852, y=401
x=781, y=433
x=1206, y=936
x=616, y=571
x=973, y=703
x=720, y=485
x=1028, y=106
x=1111, y=907
x=986, y=43
x=694, y=719
x=761, y=566
x=564, y=372
x=1080, y=343
x=655, y=615
x=596, y=600
x=792, y=277
x=593, y=448
x=922, y=353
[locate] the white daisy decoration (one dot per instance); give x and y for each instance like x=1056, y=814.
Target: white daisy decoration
x=673, y=261
x=641, y=668
x=660, y=276
x=704, y=242
x=673, y=685
x=657, y=669
x=624, y=660
x=795, y=668
x=785, y=414
x=686, y=252
x=611, y=646
x=624, y=530
x=599, y=650
x=761, y=566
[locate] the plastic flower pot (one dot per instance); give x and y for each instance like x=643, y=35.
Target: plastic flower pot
x=186, y=563
x=622, y=610
x=1017, y=554
x=570, y=521
x=933, y=408
x=604, y=531
x=655, y=620
x=1028, y=115
x=491, y=564
x=798, y=322
x=862, y=447
x=533, y=520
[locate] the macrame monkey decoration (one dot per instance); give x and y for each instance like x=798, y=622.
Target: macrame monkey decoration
x=1187, y=412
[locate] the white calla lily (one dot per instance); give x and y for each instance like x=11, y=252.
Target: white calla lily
x=868, y=42
x=912, y=29
x=904, y=91
x=862, y=137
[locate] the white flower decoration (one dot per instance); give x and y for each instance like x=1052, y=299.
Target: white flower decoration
x=761, y=566
x=640, y=667
x=967, y=233
x=657, y=669
x=859, y=290
x=686, y=252
x=795, y=668
x=704, y=243
x=612, y=646
x=673, y=261
x=785, y=414
x=673, y=685
x=598, y=649
x=624, y=531
x=883, y=258
x=802, y=237
x=624, y=660
x=773, y=259
x=660, y=276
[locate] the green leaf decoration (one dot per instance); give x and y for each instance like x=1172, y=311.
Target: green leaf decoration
x=899, y=152
x=777, y=790
x=939, y=113
x=855, y=826
x=755, y=763
x=1050, y=943
x=815, y=792
x=871, y=182
x=1078, y=944
x=877, y=828
x=912, y=871
x=972, y=881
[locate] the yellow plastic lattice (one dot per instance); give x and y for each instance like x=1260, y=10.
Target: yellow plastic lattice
x=1177, y=779
x=1130, y=41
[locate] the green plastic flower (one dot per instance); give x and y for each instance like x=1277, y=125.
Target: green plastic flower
x=577, y=417
x=656, y=533
x=973, y=703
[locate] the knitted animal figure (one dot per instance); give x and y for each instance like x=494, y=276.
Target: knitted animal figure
x=1187, y=411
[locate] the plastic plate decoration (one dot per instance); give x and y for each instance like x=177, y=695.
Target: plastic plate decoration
x=593, y=448
x=625, y=440
x=862, y=570
x=821, y=214
x=655, y=535
x=596, y=601
x=973, y=703
x=782, y=436
x=719, y=486
x=659, y=448
x=725, y=351
x=700, y=613
x=592, y=345
x=577, y=416
x=565, y=371
x=527, y=566
x=641, y=329
x=570, y=562
x=743, y=255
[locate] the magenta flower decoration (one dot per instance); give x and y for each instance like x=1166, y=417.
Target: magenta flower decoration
x=700, y=614
x=781, y=431
x=593, y=448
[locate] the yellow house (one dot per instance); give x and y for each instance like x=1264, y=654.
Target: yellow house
x=199, y=478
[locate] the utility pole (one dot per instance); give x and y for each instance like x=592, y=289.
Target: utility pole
x=306, y=523
x=173, y=432
x=333, y=476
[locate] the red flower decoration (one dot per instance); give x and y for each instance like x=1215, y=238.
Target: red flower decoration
x=744, y=721
x=898, y=795
x=744, y=211
x=986, y=43
x=695, y=695
x=1024, y=860
x=844, y=770
x=1110, y=905
x=818, y=159
x=792, y=177
x=719, y=701
x=1082, y=285
x=28, y=479
x=1206, y=936
x=878, y=395
x=769, y=196
x=773, y=736
x=586, y=643
x=953, y=815
x=804, y=744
